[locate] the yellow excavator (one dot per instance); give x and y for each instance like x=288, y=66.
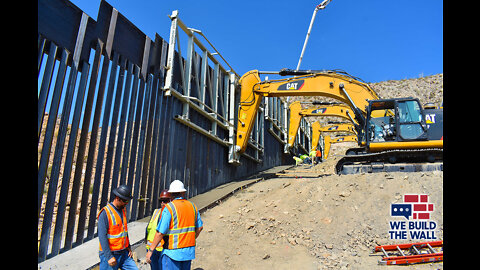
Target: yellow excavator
x=297, y=113
x=317, y=130
x=340, y=127
x=389, y=130
x=328, y=141
x=402, y=141
x=333, y=84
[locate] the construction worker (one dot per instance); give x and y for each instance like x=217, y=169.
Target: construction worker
x=182, y=224
x=115, y=251
x=311, y=155
x=305, y=159
x=156, y=263
x=297, y=160
x=318, y=156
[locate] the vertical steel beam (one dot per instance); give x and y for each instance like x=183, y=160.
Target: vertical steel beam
x=52, y=120
x=147, y=159
x=171, y=53
x=103, y=141
x=233, y=156
x=41, y=46
x=133, y=71
x=226, y=96
x=157, y=184
x=188, y=74
x=92, y=151
x=138, y=185
x=203, y=78
x=120, y=150
x=132, y=170
x=262, y=128
x=256, y=129
x=81, y=154
x=113, y=132
x=42, y=170
x=144, y=143
x=45, y=88
x=267, y=107
x=285, y=129
x=214, y=96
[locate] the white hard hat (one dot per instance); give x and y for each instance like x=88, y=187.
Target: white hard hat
x=176, y=186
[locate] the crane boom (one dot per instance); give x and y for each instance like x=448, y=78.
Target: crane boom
x=317, y=8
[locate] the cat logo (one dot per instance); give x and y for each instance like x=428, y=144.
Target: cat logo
x=320, y=111
x=430, y=118
x=294, y=85
x=333, y=128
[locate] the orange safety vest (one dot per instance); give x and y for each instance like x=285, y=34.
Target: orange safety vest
x=181, y=233
x=117, y=229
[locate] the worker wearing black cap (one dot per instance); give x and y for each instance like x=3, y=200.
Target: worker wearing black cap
x=115, y=251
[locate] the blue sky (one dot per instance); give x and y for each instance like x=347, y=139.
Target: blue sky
x=375, y=40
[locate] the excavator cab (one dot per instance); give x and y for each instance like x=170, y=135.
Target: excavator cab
x=398, y=137
x=402, y=121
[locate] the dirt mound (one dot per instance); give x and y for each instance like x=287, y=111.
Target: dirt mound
x=311, y=219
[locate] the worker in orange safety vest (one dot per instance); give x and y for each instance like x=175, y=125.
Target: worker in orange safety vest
x=182, y=224
x=318, y=156
x=115, y=251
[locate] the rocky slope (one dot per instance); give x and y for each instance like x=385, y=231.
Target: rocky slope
x=299, y=221
x=427, y=89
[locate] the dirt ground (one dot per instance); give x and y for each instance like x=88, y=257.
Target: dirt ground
x=311, y=218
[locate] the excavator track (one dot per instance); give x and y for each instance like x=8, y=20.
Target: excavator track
x=403, y=160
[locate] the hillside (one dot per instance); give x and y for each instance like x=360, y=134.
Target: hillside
x=427, y=89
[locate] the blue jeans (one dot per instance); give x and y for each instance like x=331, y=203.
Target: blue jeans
x=169, y=264
x=156, y=259
x=123, y=261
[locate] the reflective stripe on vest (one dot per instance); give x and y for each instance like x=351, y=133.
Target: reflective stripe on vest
x=152, y=229
x=181, y=233
x=117, y=231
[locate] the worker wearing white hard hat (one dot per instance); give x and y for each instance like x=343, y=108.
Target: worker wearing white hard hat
x=182, y=224
x=176, y=187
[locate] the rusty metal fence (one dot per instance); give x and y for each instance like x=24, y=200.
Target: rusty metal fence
x=116, y=107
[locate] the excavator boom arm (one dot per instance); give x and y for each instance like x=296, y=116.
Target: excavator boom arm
x=296, y=114
x=326, y=83
x=317, y=130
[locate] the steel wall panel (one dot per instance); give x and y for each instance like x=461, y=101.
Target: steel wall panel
x=132, y=135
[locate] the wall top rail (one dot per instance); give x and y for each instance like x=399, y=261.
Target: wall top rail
x=176, y=21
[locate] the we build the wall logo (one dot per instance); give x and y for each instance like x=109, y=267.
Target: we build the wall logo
x=416, y=209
